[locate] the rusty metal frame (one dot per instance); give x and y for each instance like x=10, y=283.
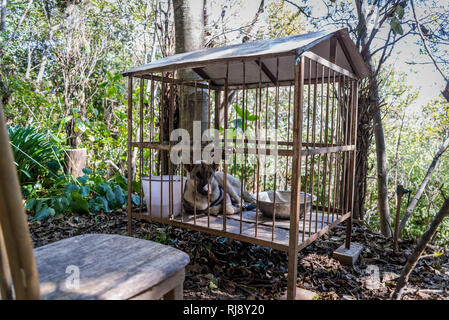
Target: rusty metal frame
x=319, y=147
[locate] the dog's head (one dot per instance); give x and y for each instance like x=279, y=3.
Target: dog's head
x=201, y=175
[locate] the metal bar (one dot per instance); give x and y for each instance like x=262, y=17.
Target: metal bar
x=328, y=96
x=353, y=164
x=257, y=126
x=323, y=231
x=181, y=168
x=243, y=166
x=208, y=180
x=231, y=235
x=306, y=173
x=193, y=160
x=323, y=185
x=281, y=152
x=329, y=64
x=225, y=165
x=319, y=156
x=161, y=136
x=334, y=136
x=312, y=182
x=288, y=133
x=170, y=163
x=266, y=134
x=204, y=75
x=150, y=174
x=142, y=83
x=267, y=72
x=296, y=183
x=130, y=136
x=276, y=126
x=189, y=83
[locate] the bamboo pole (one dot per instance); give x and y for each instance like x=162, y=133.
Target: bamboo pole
x=13, y=222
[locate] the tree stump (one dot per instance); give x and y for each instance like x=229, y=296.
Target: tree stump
x=76, y=160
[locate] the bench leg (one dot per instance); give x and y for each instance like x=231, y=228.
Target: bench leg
x=175, y=294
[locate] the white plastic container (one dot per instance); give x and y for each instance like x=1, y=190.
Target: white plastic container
x=156, y=182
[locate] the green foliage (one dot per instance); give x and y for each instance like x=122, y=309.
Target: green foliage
x=88, y=194
x=36, y=154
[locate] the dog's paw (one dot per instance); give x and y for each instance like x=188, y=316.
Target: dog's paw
x=249, y=206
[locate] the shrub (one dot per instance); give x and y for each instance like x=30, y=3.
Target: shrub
x=88, y=194
x=36, y=154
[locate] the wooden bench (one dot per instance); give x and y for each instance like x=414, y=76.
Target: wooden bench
x=110, y=267
x=91, y=266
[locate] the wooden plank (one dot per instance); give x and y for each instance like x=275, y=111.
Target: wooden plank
x=14, y=224
x=110, y=266
x=5, y=272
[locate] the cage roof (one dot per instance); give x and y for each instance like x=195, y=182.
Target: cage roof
x=275, y=58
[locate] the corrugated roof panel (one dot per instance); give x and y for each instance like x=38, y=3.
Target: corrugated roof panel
x=212, y=60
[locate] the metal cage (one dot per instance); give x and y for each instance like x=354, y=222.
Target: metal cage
x=306, y=95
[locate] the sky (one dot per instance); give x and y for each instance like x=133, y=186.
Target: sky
x=422, y=77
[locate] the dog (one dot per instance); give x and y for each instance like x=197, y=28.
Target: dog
x=204, y=191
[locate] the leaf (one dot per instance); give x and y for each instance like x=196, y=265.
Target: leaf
x=136, y=186
x=136, y=199
x=30, y=204
x=44, y=214
x=103, y=188
x=87, y=171
x=82, y=179
x=70, y=187
x=61, y=204
x=396, y=26
x=119, y=195
x=79, y=204
x=252, y=117
x=102, y=201
x=237, y=123
x=212, y=285
x=399, y=11
x=84, y=191
x=238, y=110
x=110, y=196
x=121, y=181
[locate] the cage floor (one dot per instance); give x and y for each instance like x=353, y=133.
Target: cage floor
x=246, y=225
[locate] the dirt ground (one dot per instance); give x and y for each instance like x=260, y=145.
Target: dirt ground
x=224, y=269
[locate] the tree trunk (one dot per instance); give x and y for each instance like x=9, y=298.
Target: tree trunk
x=382, y=176
x=189, y=36
x=361, y=168
x=421, y=245
x=423, y=185
x=3, y=15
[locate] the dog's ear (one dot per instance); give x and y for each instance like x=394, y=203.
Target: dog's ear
x=188, y=167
